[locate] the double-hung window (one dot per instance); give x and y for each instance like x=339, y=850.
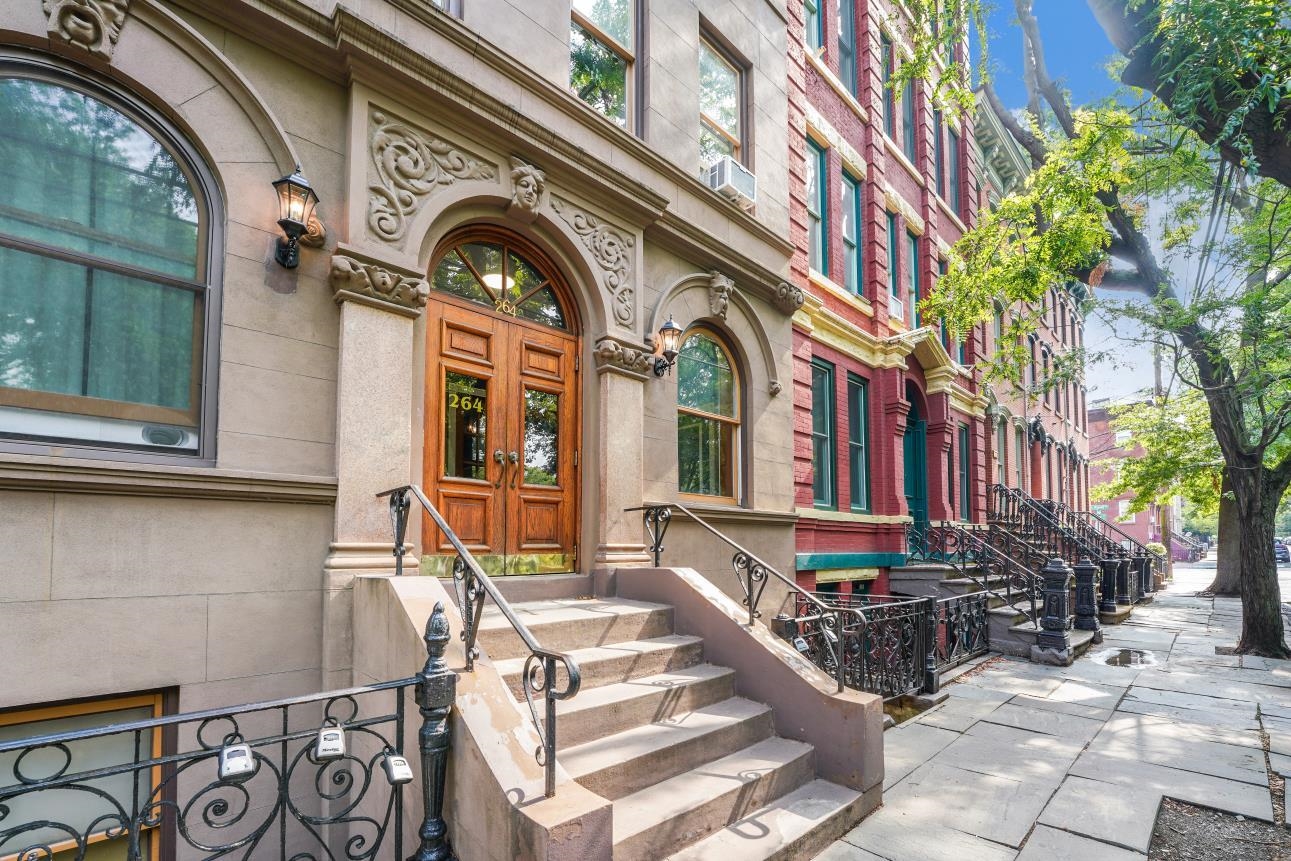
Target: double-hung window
x=965, y=498
x=952, y=146
x=851, y=204
x=889, y=97
x=847, y=44
x=912, y=276
x=824, y=486
x=1001, y=453
x=107, y=295
x=720, y=105
x=1019, y=453
x=817, y=207
x=858, y=442
x=895, y=307
x=708, y=418
x=602, y=50
x=815, y=26
x=909, y=124
x=939, y=153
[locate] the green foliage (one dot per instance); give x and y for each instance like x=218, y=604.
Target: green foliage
x=1156, y=547
x=1198, y=521
x=1176, y=454
x=934, y=30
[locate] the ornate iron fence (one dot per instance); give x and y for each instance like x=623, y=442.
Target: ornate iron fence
x=304, y=778
x=962, y=629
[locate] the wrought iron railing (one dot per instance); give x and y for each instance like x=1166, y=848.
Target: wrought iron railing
x=822, y=621
x=253, y=781
x=972, y=553
x=962, y=629
x=1012, y=509
x=1092, y=536
x=1114, y=533
x=543, y=668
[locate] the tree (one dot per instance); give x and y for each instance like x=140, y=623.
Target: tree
x=1194, y=166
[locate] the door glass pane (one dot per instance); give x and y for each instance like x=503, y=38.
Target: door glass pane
x=541, y=437
x=522, y=276
x=452, y=276
x=543, y=307
x=465, y=419
x=487, y=260
x=705, y=454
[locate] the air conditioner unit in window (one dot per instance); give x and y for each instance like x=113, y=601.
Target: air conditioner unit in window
x=734, y=181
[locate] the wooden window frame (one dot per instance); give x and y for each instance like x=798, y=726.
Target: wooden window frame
x=856, y=271
x=910, y=121
x=887, y=60
x=894, y=257
x=954, y=176
x=964, y=444
x=734, y=422
x=714, y=43
x=37, y=714
x=847, y=45
x=626, y=53
x=810, y=8
x=206, y=282
x=912, y=244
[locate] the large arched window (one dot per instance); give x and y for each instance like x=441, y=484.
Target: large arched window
x=105, y=286
x=708, y=418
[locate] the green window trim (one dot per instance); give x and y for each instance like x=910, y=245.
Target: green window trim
x=815, y=25
x=824, y=482
x=909, y=122
x=858, y=442
x=939, y=152
x=847, y=45
x=965, y=491
x=853, y=205
x=817, y=208
x=889, y=97
x=912, y=243
x=956, y=197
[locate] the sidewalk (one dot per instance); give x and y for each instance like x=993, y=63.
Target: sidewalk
x=1030, y=762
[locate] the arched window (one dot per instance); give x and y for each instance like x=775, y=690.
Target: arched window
x=501, y=276
x=107, y=300
x=708, y=418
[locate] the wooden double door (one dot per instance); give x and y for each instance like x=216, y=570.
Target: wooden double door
x=502, y=441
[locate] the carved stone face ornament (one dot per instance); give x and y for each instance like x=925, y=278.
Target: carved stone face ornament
x=527, y=186
x=90, y=24
x=719, y=294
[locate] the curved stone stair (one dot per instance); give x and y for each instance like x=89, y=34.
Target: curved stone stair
x=692, y=769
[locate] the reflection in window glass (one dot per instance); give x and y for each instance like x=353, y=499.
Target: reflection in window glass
x=817, y=207
x=465, y=426
x=475, y=271
x=719, y=106
x=707, y=423
x=823, y=486
x=611, y=17
x=851, y=233
x=598, y=75
x=858, y=442
x=541, y=437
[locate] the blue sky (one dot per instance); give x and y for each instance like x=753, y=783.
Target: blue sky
x=1077, y=53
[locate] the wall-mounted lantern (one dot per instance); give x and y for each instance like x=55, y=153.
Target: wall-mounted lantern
x=669, y=339
x=296, y=202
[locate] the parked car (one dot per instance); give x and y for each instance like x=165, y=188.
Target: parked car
x=1281, y=552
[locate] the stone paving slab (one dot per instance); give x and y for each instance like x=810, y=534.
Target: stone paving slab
x=1212, y=718
x=1061, y=706
x=958, y=714
x=901, y=836
x=843, y=851
x=1104, y=811
x=998, y=809
x=1203, y=789
x=1044, y=721
x=1050, y=844
x=1043, y=759
x=1089, y=694
x=907, y=747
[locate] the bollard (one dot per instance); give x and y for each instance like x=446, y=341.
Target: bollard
x=1053, y=642
x=1107, y=594
x=1087, y=597
x=1123, y=581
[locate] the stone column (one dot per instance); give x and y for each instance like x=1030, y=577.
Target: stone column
x=622, y=372
x=374, y=417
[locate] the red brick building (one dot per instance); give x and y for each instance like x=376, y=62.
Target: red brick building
x=890, y=425
x=1108, y=446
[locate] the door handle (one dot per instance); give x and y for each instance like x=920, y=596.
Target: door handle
x=514, y=459
x=502, y=473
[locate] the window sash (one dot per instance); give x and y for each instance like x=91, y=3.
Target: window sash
x=955, y=195
x=824, y=486
x=939, y=153
x=817, y=208
x=965, y=501
x=851, y=189
x=713, y=123
x=625, y=56
x=889, y=97
x=847, y=45
x=815, y=26
x=858, y=442
x=909, y=125
x=912, y=276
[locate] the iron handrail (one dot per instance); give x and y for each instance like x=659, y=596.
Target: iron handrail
x=1013, y=571
x=1134, y=542
x=1072, y=519
x=1030, y=509
x=752, y=573
x=471, y=586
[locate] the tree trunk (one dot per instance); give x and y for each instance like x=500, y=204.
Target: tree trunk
x=1262, y=632
x=1228, y=560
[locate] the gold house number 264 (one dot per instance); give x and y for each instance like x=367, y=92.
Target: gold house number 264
x=466, y=403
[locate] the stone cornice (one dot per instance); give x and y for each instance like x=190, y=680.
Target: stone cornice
x=74, y=475
x=357, y=278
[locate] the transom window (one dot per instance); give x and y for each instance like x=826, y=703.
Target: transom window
x=104, y=284
x=719, y=105
x=708, y=423
x=602, y=48
x=497, y=275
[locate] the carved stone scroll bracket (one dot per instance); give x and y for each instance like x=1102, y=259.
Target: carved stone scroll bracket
x=719, y=294
x=315, y=233
x=409, y=165
x=788, y=298
x=618, y=357
x=612, y=252
x=90, y=24
x=528, y=188
x=378, y=286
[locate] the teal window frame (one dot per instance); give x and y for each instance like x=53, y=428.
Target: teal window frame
x=889, y=97
x=858, y=443
x=939, y=152
x=894, y=257
x=824, y=451
x=847, y=45
x=965, y=488
x=815, y=24
x=956, y=196
x=909, y=122
x=852, y=232
x=817, y=209
x=912, y=244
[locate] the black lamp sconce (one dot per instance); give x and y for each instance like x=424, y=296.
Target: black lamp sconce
x=296, y=202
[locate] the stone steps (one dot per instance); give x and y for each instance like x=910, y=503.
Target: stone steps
x=565, y=624
x=617, y=662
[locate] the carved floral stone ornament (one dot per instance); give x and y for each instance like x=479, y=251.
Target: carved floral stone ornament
x=374, y=285
x=788, y=298
x=410, y=166
x=90, y=24
x=528, y=185
x=611, y=355
x=719, y=294
x=612, y=252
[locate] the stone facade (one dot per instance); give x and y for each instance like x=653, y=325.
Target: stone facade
x=412, y=122
x=858, y=325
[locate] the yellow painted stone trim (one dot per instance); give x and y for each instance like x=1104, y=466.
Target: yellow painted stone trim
x=838, y=87
x=860, y=303
x=852, y=516
x=898, y=204
x=835, y=575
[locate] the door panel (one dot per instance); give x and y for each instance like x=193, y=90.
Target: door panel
x=501, y=441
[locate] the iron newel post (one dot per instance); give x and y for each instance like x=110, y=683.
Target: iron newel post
x=436, y=692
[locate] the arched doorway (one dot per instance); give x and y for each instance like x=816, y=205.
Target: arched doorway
x=916, y=462
x=502, y=407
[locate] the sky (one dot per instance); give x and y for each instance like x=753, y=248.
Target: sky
x=1077, y=52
